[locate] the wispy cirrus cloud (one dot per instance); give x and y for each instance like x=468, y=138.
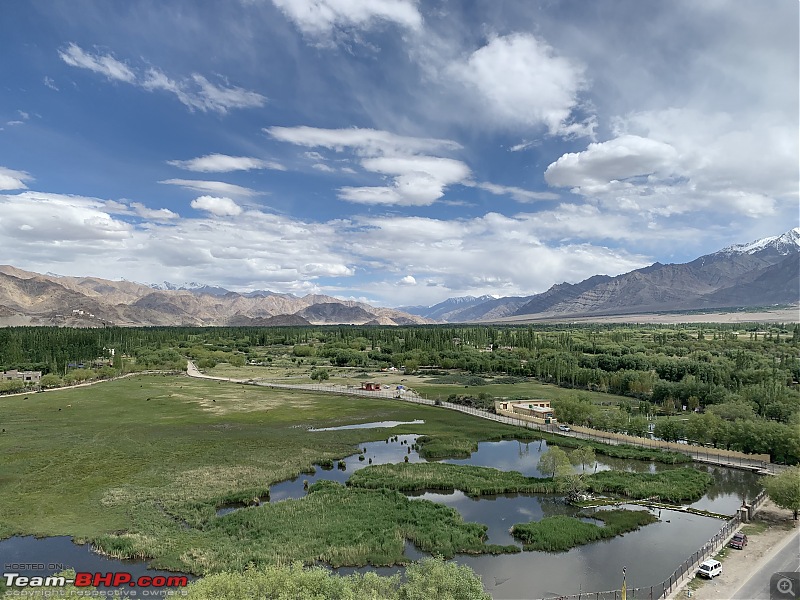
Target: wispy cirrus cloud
x=321, y=18
x=195, y=92
x=223, y=163
x=418, y=178
x=49, y=82
x=363, y=141
x=104, y=64
x=517, y=193
x=212, y=187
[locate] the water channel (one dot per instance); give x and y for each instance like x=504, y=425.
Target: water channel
x=649, y=554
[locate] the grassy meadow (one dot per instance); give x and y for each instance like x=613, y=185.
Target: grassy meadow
x=285, y=370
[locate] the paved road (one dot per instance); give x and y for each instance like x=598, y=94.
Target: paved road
x=782, y=559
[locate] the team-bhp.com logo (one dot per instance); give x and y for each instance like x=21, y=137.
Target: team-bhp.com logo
x=84, y=579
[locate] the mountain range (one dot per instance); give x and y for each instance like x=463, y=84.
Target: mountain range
x=764, y=272
x=760, y=273
x=28, y=298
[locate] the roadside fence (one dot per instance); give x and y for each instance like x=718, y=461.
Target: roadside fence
x=687, y=569
x=697, y=453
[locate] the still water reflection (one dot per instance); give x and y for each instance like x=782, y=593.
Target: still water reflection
x=40, y=557
x=650, y=554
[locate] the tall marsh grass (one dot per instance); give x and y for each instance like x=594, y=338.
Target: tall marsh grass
x=560, y=533
x=676, y=485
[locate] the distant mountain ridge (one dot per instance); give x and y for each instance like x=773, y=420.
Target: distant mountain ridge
x=763, y=272
x=783, y=244
x=31, y=298
x=194, y=287
x=442, y=310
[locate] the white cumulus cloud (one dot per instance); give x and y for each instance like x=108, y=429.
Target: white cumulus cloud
x=617, y=159
x=522, y=81
x=219, y=206
x=153, y=214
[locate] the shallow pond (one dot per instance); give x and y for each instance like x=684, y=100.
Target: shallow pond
x=650, y=554
x=392, y=450
x=373, y=425
x=40, y=557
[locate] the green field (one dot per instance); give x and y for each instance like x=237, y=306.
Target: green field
x=289, y=372
x=527, y=389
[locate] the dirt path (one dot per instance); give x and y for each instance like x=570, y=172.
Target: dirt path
x=738, y=565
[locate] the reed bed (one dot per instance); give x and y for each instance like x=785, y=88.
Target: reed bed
x=333, y=524
x=473, y=481
x=560, y=533
x=676, y=485
x=429, y=578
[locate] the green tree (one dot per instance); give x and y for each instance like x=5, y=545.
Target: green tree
x=237, y=360
x=732, y=411
x=553, y=459
x=435, y=578
x=669, y=430
x=411, y=366
x=51, y=380
x=582, y=456
x=637, y=426
x=320, y=374
x=784, y=490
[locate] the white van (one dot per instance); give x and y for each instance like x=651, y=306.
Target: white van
x=710, y=568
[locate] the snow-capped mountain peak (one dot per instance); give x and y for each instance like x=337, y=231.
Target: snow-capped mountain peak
x=784, y=244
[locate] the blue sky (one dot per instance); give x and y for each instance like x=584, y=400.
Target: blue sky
x=392, y=151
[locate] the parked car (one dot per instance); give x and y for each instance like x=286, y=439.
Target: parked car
x=710, y=568
x=564, y=428
x=738, y=541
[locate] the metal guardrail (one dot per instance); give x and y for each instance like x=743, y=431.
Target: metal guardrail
x=688, y=567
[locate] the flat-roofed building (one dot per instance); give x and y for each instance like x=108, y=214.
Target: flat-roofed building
x=538, y=409
x=26, y=376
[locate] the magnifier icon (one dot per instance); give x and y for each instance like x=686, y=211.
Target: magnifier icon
x=784, y=586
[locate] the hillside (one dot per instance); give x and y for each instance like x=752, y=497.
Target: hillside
x=35, y=299
x=759, y=273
